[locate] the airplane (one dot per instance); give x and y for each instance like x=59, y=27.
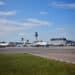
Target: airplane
x=39, y=44
x=3, y=44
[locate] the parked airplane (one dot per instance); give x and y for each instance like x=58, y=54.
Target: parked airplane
x=3, y=44
x=39, y=44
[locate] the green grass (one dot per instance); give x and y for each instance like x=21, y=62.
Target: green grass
x=27, y=64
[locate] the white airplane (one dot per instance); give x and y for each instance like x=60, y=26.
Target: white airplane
x=3, y=44
x=40, y=44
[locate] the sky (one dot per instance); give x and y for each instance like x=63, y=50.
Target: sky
x=50, y=18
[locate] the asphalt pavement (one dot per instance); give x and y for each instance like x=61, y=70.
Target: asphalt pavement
x=66, y=54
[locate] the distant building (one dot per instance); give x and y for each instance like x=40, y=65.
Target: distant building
x=70, y=43
x=12, y=44
x=58, y=41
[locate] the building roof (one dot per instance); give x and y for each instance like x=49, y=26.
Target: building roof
x=70, y=41
x=53, y=39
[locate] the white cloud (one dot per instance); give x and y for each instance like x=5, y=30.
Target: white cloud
x=7, y=13
x=43, y=13
x=8, y=22
x=9, y=26
x=2, y=3
x=63, y=5
x=60, y=28
x=37, y=22
x=23, y=34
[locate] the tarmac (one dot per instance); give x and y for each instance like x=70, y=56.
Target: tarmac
x=65, y=54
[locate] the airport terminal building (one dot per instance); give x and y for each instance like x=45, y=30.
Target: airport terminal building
x=58, y=41
x=61, y=42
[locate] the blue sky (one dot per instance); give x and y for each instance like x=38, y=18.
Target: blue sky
x=50, y=18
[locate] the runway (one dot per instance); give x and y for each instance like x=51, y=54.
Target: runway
x=66, y=54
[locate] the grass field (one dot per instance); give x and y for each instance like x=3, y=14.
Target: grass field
x=27, y=64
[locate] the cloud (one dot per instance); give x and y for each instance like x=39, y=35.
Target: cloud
x=7, y=13
x=7, y=22
x=37, y=22
x=10, y=26
x=60, y=28
x=2, y=3
x=63, y=5
x=43, y=13
x=23, y=34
